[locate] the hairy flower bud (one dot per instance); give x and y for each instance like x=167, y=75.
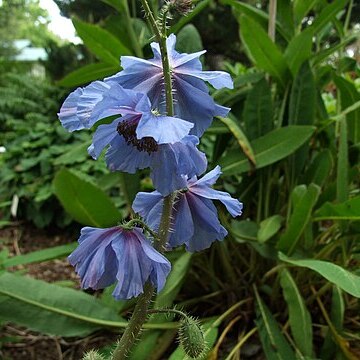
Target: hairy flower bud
x=93, y=355
x=182, y=7
x=191, y=337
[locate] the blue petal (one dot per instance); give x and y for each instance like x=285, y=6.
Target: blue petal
x=149, y=206
x=172, y=164
x=91, y=95
x=68, y=112
x=164, y=129
x=195, y=105
x=183, y=223
x=207, y=227
x=218, y=79
x=124, y=157
x=208, y=179
x=103, y=136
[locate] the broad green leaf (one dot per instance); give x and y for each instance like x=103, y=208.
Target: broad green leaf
x=130, y=186
x=284, y=14
x=260, y=16
x=85, y=202
x=240, y=138
x=293, y=56
x=118, y=5
x=303, y=98
x=342, y=169
x=51, y=309
x=299, y=316
x=348, y=96
x=301, y=8
x=269, y=227
x=102, y=43
x=348, y=210
x=258, y=110
x=174, y=281
x=337, y=275
x=268, y=149
x=299, y=219
x=201, y=5
x=244, y=230
x=188, y=40
x=274, y=344
x=320, y=168
x=89, y=73
x=262, y=50
x=328, y=14
x=56, y=252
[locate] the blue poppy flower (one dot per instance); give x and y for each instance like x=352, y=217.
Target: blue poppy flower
x=84, y=107
x=192, y=101
x=116, y=255
x=195, y=220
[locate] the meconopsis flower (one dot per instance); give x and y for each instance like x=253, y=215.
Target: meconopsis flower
x=195, y=220
x=192, y=101
x=139, y=139
x=106, y=256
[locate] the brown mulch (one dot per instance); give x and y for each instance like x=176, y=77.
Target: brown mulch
x=19, y=343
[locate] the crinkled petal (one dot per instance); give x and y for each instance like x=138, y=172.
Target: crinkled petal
x=103, y=136
x=172, y=164
x=195, y=105
x=208, y=179
x=90, y=97
x=164, y=129
x=68, y=112
x=183, y=229
x=207, y=227
x=149, y=206
x=233, y=206
x=218, y=79
x=123, y=157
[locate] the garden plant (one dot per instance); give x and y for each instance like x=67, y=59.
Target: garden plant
x=220, y=201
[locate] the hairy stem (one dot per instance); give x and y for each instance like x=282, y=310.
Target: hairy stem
x=140, y=313
x=136, y=322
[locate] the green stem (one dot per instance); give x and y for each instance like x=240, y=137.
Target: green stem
x=140, y=313
x=138, y=318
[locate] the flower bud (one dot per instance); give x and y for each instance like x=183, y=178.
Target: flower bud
x=93, y=355
x=182, y=7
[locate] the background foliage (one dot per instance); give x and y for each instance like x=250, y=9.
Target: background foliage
x=287, y=275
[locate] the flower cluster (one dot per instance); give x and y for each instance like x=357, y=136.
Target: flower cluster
x=137, y=134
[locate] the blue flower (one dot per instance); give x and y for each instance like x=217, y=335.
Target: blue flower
x=192, y=101
x=106, y=256
x=86, y=106
x=195, y=221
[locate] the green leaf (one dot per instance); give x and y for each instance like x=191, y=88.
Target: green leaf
x=268, y=149
x=240, y=137
x=301, y=8
x=85, y=202
x=88, y=73
x=50, y=309
x=262, y=51
x=299, y=219
x=337, y=275
x=78, y=153
x=259, y=16
x=348, y=96
x=258, y=110
x=56, y=252
x=116, y=4
x=293, y=56
x=174, y=281
x=101, y=42
x=201, y=5
x=274, y=344
x=348, y=210
x=188, y=40
x=299, y=316
x=130, y=186
x=284, y=14
x=303, y=98
x=320, y=168
x=328, y=14
x=269, y=227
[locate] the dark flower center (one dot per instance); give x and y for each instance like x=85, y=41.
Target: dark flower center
x=127, y=129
